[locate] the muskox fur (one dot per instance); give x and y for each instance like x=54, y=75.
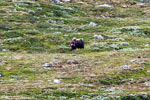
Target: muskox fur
x=76, y=43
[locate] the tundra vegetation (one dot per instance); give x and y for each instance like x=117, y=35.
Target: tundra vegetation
x=36, y=61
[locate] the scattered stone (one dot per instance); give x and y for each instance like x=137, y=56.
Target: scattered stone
x=66, y=35
x=95, y=44
x=141, y=5
x=62, y=22
x=134, y=61
x=129, y=30
x=141, y=62
x=106, y=5
x=39, y=9
x=125, y=66
x=51, y=21
x=112, y=53
x=59, y=55
x=147, y=45
x=5, y=50
x=103, y=16
x=93, y=24
x=124, y=43
x=31, y=11
x=72, y=62
x=62, y=47
x=96, y=49
x=114, y=46
x=1, y=75
x=80, y=3
x=124, y=6
x=57, y=81
x=69, y=8
x=100, y=37
x=1, y=44
x=18, y=0
x=56, y=1
x=147, y=83
x=118, y=39
x=112, y=89
x=47, y=65
x=57, y=33
x=15, y=77
x=41, y=70
x=65, y=0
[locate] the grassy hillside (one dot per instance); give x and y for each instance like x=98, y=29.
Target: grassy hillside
x=36, y=33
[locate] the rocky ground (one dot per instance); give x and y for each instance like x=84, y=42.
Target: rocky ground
x=36, y=61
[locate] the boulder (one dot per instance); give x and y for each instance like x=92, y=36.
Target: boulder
x=100, y=37
x=93, y=24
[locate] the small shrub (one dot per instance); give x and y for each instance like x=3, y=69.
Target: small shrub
x=5, y=27
x=132, y=30
x=3, y=4
x=12, y=34
x=2, y=11
x=32, y=32
x=59, y=13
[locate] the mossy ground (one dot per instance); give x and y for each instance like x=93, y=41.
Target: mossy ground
x=34, y=33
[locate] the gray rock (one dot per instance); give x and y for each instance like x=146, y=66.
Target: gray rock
x=95, y=44
x=124, y=43
x=141, y=62
x=51, y=21
x=65, y=0
x=59, y=55
x=125, y=66
x=147, y=83
x=72, y=62
x=124, y=6
x=147, y=45
x=141, y=5
x=144, y=1
x=18, y=0
x=103, y=16
x=98, y=37
x=5, y=50
x=56, y=81
x=62, y=47
x=1, y=44
x=134, y=61
x=57, y=33
x=56, y=1
x=93, y=24
x=106, y=5
x=118, y=39
x=114, y=46
x=39, y=9
x=47, y=65
x=31, y=11
x=15, y=77
x=96, y=49
x=66, y=35
x=1, y=75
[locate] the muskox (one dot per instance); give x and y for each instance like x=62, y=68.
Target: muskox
x=76, y=43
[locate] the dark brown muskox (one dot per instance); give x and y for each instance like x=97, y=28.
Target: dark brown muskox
x=76, y=43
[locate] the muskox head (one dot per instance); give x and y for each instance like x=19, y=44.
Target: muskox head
x=77, y=43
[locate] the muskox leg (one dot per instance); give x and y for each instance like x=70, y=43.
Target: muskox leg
x=82, y=45
x=73, y=48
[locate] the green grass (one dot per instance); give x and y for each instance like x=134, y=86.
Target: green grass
x=33, y=33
